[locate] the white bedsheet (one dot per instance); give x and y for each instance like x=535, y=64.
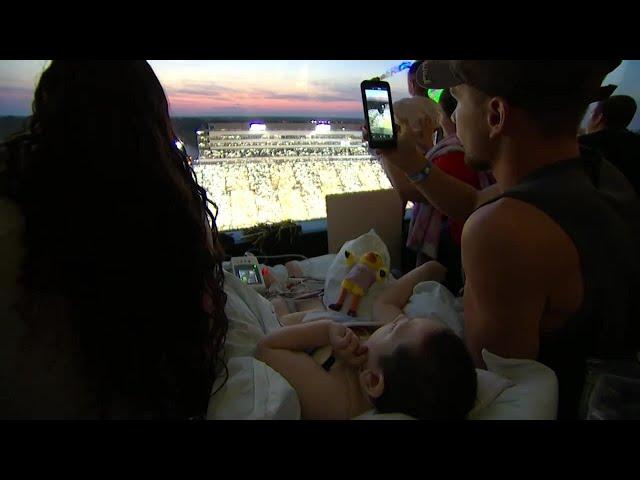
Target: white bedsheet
x=253, y=390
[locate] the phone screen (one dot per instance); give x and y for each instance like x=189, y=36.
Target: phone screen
x=379, y=115
x=248, y=274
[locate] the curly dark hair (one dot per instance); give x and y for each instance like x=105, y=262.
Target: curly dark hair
x=117, y=225
x=435, y=381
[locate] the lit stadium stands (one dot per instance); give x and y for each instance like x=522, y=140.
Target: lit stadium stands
x=273, y=174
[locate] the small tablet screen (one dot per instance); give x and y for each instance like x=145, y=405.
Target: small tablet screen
x=248, y=274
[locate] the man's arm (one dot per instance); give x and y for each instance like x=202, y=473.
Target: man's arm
x=401, y=184
x=454, y=198
x=390, y=302
x=505, y=291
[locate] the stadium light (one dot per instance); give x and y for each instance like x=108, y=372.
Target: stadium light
x=257, y=127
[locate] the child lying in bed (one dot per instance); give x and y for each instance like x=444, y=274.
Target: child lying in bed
x=413, y=366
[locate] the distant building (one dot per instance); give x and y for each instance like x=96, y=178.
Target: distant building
x=281, y=170
x=256, y=140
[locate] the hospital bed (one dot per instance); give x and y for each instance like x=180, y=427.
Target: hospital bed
x=507, y=389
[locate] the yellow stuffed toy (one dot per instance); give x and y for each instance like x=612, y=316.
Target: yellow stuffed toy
x=368, y=270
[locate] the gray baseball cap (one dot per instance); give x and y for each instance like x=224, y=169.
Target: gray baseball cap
x=523, y=81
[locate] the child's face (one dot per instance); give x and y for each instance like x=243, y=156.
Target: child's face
x=402, y=331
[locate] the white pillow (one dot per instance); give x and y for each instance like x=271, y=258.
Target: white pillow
x=534, y=395
x=432, y=299
x=369, y=242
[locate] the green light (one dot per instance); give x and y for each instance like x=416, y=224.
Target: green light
x=435, y=94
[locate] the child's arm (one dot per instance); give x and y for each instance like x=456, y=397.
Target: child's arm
x=390, y=302
x=321, y=395
x=298, y=337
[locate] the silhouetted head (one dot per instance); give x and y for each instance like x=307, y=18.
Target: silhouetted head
x=614, y=113
x=422, y=115
x=118, y=230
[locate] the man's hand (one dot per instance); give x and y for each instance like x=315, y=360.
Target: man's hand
x=407, y=155
x=346, y=345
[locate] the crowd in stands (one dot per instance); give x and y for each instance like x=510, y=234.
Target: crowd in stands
x=275, y=152
x=272, y=189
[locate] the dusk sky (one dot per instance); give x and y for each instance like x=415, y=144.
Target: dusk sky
x=261, y=87
x=234, y=87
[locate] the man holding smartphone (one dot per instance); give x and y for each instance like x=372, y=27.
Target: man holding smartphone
x=550, y=252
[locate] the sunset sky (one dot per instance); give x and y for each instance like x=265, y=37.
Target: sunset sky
x=235, y=87
x=261, y=87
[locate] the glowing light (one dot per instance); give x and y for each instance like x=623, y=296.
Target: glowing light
x=435, y=94
x=180, y=145
x=199, y=132
x=257, y=127
x=393, y=70
x=322, y=128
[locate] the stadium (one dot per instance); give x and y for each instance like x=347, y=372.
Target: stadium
x=268, y=172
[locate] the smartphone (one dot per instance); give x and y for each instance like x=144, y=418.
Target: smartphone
x=378, y=113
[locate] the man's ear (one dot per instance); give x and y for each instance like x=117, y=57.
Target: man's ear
x=372, y=382
x=497, y=111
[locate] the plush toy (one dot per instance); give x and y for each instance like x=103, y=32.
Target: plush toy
x=368, y=270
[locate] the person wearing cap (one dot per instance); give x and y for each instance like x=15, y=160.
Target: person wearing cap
x=550, y=251
x=607, y=132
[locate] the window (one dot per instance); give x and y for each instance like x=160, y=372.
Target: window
x=273, y=147
x=311, y=143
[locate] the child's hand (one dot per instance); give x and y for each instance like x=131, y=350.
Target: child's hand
x=346, y=345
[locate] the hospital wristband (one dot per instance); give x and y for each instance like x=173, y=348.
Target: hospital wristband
x=422, y=175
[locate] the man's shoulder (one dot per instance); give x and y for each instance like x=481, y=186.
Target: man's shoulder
x=509, y=223
x=502, y=213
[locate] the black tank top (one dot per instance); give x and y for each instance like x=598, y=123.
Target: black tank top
x=597, y=208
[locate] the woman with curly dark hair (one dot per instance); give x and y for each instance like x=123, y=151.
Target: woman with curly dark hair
x=120, y=285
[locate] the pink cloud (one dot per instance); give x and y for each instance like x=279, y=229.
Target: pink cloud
x=259, y=104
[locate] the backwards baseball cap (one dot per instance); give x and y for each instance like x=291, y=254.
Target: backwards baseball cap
x=523, y=81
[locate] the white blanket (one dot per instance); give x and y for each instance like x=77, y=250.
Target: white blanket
x=253, y=390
